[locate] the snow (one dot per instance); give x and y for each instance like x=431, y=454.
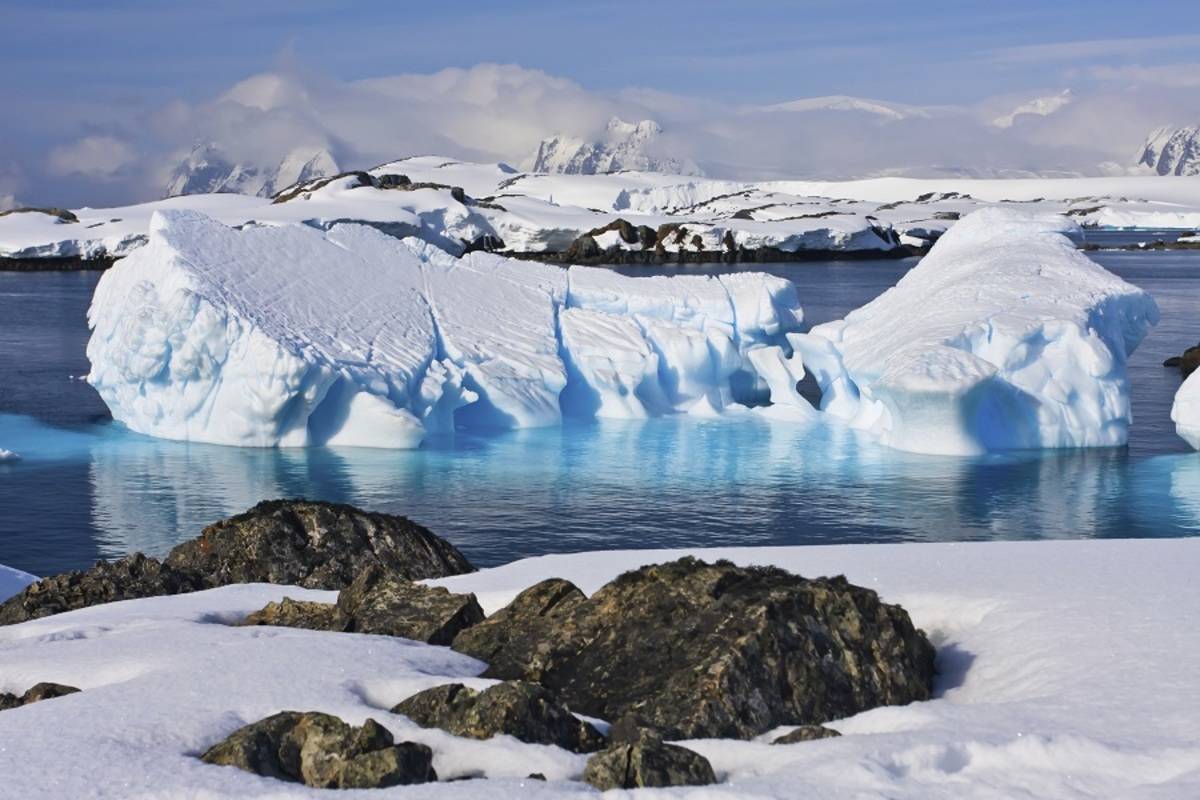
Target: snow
x=287, y=335
x=625, y=146
x=1062, y=674
x=1172, y=151
x=1185, y=413
x=1004, y=337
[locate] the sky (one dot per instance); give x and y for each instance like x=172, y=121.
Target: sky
x=102, y=97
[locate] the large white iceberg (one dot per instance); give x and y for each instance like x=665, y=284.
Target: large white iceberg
x=1004, y=337
x=1186, y=411
x=294, y=336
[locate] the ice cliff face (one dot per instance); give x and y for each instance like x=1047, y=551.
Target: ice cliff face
x=626, y=146
x=1004, y=337
x=1186, y=410
x=291, y=336
x=206, y=170
x=1172, y=151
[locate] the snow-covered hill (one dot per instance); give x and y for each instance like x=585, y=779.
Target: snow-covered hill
x=206, y=170
x=1172, y=151
x=625, y=146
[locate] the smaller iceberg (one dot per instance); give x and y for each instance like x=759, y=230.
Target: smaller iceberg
x=1185, y=413
x=1004, y=337
x=8, y=455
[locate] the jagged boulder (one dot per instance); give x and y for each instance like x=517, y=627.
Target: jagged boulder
x=322, y=751
x=647, y=762
x=36, y=693
x=709, y=650
x=522, y=710
x=315, y=545
x=806, y=733
x=1187, y=363
x=129, y=578
x=380, y=602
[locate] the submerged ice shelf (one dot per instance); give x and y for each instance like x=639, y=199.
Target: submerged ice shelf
x=292, y=336
x=1003, y=337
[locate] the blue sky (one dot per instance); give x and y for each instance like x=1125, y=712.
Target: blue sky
x=77, y=68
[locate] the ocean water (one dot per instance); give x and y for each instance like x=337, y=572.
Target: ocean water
x=85, y=488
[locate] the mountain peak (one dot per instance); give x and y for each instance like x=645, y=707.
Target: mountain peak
x=1172, y=151
x=207, y=170
x=625, y=146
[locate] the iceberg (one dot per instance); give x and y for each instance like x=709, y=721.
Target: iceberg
x=1185, y=412
x=1003, y=337
x=289, y=335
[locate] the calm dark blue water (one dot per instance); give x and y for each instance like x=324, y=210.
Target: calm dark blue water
x=87, y=489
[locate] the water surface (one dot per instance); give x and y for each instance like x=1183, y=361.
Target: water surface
x=86, y=488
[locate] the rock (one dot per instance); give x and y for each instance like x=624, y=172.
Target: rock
x=63, y=214
x=1173, y=361
x=806, y=733
x=647, y=237
x=315, y=545
x=322, y=751
x=37, y=693
x=381, y=602
x=522, y=710
x=582, y=249
x=458, y=194
x=393, y=181
x=129, y=578
x=291, y=613
x=298, y=542
x=649, y=762
x=1187, y=363
x=698, y=650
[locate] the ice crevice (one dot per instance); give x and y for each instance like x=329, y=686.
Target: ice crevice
x=1004, y=336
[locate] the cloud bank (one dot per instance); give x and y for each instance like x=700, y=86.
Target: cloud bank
x=495, y=112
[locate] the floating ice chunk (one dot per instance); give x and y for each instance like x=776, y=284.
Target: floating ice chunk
x=782, y=373
x=1004, y=336
x=497, y=321
x=1186, y=411
x=614, y=369
x=265, y=336
x=8, y=455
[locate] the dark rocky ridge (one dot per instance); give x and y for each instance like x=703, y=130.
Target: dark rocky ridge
x=295, y=542
x=709, y=650
x=322, y=751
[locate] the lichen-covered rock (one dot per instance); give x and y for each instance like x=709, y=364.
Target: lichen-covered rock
x=381, y=602
x=709, y=650
x=647, y=762
x=289, y=613
x=522, y=710
x=322, y=751
x=36, y=693
x=806, y=733
x=315, y=545
x=129, y=578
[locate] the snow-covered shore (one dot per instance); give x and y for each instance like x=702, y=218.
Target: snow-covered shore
x=1066, y=672
x=669, y=216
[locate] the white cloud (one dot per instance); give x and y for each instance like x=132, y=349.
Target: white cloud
x=91, y=156
x=1087, y=49
x=8, y=202
x=1177, y=76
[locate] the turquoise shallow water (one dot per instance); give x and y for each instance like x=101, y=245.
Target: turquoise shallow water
x=85, y=488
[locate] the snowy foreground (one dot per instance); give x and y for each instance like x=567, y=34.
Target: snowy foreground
x=518, y=212
x=1067, y=671
x=1004, y=337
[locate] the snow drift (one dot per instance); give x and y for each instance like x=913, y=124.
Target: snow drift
x=1003, y=337
x=1186, y=411
x=293, y=336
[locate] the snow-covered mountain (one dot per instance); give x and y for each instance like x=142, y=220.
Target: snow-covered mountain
x=206, y=170
x=839, y=102
x=1172, y=151
x=626, y=146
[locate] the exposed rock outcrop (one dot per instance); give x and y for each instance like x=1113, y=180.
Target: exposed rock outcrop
x=315, y=545
x=806, y=733
x=36, y=693
x=62, y=214
x=322, y=751
x=647, y=762
x=1187, y=363
x=522, y=710
x=295, y=542
x=709, y=650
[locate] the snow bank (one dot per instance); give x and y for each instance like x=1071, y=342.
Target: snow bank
x=294, y=336
x=1003, y=337
x=1062, y=674
x=1185, y=413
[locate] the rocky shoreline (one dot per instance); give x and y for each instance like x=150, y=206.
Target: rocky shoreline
x=680, y=650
